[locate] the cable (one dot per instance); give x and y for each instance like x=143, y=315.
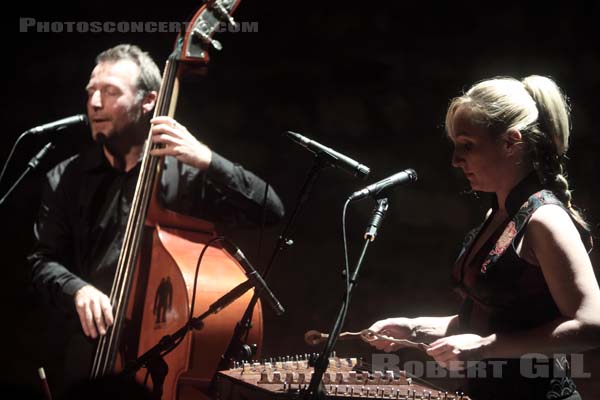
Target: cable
x=263, y=219
x=191, y=317
x=346, y=262
x=344, y=311
x=11, y=154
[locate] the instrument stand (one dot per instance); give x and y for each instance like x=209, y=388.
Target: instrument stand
x=237, y=348
x=31, y=165
x=315, y=388
x=153, y=358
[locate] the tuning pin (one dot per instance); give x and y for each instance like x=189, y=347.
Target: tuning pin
x=264, y=377
x=389, y=375
x=276, y=377
x=352, y=377
x=301, y=377
x=207, y=39
x=289, y=377
x=377, y=375
x=223, y=14
x=364, y=376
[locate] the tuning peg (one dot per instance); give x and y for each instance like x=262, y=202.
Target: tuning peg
x=223, y=14
x=207, y=39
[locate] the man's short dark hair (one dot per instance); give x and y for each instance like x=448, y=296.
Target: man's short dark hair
x=149, y=78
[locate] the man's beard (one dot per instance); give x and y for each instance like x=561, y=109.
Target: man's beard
x=125, y=133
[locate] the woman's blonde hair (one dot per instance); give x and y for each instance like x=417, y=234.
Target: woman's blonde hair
x=539, y=110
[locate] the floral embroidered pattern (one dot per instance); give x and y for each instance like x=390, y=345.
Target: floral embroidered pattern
x=560, y=388
x=517, y=223
x=469, y=240
x=502, y=244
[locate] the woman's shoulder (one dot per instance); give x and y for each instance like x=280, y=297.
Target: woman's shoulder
x=550, y=213
x=551, y=225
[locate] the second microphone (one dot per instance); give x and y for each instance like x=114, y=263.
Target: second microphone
x=380, y=189
x=335, y=159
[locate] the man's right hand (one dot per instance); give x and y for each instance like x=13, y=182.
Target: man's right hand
x=94, y=310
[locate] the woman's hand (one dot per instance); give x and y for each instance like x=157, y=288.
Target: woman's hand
x=451, y=351
x=397, y=328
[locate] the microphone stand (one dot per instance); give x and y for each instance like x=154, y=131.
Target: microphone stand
x=153, y=358
x=31, y=165
x=237, y=348
x=315, y=388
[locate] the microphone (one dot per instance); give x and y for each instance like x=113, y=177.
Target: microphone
x=253, y=276
x=335, y=159
x=379, y=189
x=58, y=125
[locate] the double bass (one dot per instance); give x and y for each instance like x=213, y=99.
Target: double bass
x=152, y=290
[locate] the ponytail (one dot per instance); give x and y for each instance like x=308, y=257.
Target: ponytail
x=548, y=140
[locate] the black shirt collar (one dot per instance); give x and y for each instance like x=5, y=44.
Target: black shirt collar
x=94, y=160
x=520, y=193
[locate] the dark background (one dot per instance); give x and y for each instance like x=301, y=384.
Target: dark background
x=371, y=80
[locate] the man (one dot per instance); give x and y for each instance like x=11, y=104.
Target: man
x=87, y=197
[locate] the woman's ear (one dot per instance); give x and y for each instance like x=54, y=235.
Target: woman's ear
x=512, y=140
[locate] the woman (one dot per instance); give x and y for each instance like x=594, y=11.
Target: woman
x=526, y=280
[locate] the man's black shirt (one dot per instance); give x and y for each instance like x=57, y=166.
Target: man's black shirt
x=85, y=206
